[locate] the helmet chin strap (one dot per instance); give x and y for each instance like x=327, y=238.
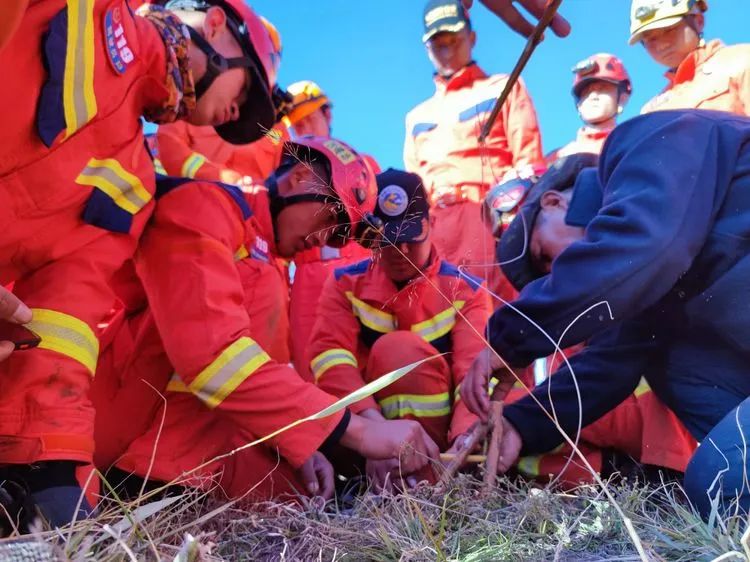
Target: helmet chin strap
x=216, y=63
x=280, y=202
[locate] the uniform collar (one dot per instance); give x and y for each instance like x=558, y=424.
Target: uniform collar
x=687, y=69
x=378, y=287
x=461, y=79
x=587, y=133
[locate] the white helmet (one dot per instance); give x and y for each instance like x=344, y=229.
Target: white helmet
x=646, y=15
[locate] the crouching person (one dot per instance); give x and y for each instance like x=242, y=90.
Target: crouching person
x=404, y=305
x=201, y=340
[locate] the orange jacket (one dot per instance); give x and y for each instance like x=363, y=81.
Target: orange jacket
x=190, y=151
x=187, y=263
x=713, y=77
x=441, y=133
x=360, y=303
x=588, y=139
x=71, y=105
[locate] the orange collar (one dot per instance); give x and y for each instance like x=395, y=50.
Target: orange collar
x=378, y=287
x=592, y=134
x=461, y=79
x=687, y=69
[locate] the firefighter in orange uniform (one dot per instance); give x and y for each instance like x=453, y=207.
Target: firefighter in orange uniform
x=206, y=335
x=76, y=185
x=601, y=89
x=701, y=75
x=441, y=141
x=404, y=305
x=192, y=151
x=310, y=114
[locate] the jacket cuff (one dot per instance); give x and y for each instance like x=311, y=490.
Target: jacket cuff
x=538, y=433
x=332, y=441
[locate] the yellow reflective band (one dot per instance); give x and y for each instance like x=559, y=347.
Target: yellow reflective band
x=159, y=167
x=176, y=384
x=490, y=389
x=192, y=164
x=642, y=388
x=125, y=189
x=241, y=254
x=530, y=466
x=66, y=335
x=338, y=356
x=79, y=101
x=370, y=316
x=228, y=371
x=440, y=324
x=417, y=405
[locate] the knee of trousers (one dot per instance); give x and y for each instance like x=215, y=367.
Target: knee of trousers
x=400, y=348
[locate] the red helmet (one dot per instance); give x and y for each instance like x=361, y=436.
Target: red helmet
x=352, y=179
x=502, y=202
x=258, y=113
x=601, y=67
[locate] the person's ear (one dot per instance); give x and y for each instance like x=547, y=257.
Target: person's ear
x=214, y=23
x=473, y=38
x=553, y=199
x=699, y=22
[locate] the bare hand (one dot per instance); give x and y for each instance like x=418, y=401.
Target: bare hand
x=11, y=310
x=385, y=475
x=395, y=439
x=505, y=10
x=510, y=448
x=317, y=475
x=475, y=385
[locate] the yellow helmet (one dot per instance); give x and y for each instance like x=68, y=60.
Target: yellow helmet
x=646, y=15
x=308, y=98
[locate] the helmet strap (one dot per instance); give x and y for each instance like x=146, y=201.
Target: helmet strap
x=216, y=63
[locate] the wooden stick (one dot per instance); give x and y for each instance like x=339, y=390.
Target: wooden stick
x=477, y=434
x=471, y=459
x=535, y=38
x=496, y=438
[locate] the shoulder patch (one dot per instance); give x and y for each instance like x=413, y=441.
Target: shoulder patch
x=166, y=184
x=118, y=50
x=358, y=268
x=449, y=270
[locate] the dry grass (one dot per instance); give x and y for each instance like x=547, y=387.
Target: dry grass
x=519, y=522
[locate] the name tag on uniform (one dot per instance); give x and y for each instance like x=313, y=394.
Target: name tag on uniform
x=120, y=54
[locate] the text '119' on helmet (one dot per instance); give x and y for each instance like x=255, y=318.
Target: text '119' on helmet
x=257, y=113
x=352, y=183
x=647, y=15
x=601, y=67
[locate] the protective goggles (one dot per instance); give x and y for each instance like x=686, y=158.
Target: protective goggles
x=586, y=67
x=503, y=203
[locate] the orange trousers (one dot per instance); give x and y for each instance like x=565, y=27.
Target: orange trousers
x=163, y=441
x=62, y=269
x=425, y=394
x=463, y=239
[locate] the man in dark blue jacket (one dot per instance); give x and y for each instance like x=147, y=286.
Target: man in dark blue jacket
x=647, y=259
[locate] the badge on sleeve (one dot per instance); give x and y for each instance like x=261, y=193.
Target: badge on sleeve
x=120, y=55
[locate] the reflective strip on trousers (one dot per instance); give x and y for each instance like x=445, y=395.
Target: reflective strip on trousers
x=79, y=101
x=66, y=335
x=328, y=359
x=370, y=316
x=228, y=371
x=490, y=390
x=642, y=388
x=125, y=189
x=440, y=324
x=192, y=164
x=417, y=405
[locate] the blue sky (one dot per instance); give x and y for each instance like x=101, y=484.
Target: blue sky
x=368, y=56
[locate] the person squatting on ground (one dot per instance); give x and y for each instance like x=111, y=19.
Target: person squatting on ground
x=203, y=334
x=404, y=305
x=441, y=143
x=670, y=194
x=71, y=107
x=639, y=430
x=700, y=75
